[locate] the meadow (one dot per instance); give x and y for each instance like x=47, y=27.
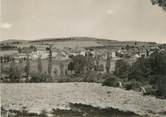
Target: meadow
x=53, y=96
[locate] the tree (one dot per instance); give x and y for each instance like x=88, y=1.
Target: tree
x=27, y=66
x=33, y=48
x=158, y=73
x=61, y=66
x=97, y=67
x=82, y=64
x=161, y=86
x=140, y=70
x=40, y=68
x=158, y=63
x=14, y=73
x=161, y=3
x=108, y=63
x=79, y=64
x=19, y=50
x=90, y=62
x=151, y=71
x=122, y=68
x=50, y=61
x=71, y=66
x=127, y=47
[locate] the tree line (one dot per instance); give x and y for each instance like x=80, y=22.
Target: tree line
x=148, y=73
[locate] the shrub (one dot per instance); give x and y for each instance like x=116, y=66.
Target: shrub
x=133, y=85
x=93, y=76
x=111, y=81
x=43, y=113
x=38, y=77
x=161, y=86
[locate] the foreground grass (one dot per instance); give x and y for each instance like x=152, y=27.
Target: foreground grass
x=58, y=96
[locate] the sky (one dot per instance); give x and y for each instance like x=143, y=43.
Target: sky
x=122, y=20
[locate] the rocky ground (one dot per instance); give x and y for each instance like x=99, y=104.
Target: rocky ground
x=53, y=96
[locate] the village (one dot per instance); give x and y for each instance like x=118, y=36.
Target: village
x=73, y=74
x=61, y=57
x=83, y=58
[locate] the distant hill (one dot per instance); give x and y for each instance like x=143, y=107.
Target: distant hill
x=71, y=39
x=99, y=40
x=14, y=41
x=79, y=41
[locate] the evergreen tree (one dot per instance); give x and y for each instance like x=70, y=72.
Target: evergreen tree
x=122, y=68
x=79, y=64
x=50, y=61
x=108, y=63
x=40, y=68
x=13, y=72
x=71, y=66
x=61, y=68
x=27, y=66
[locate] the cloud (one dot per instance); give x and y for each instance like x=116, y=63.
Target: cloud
x=5, y=25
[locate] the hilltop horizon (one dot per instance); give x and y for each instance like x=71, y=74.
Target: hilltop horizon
x=78, y=38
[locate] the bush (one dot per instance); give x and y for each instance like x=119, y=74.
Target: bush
x=37, y=78
x=11, y=73
x=150, y=71
x=93, y=76
x=161, y=86
x=82, y=64
x=43, y=113
x=133, y=85
x=111, y=81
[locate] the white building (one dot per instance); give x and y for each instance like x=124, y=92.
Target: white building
x=35, y=55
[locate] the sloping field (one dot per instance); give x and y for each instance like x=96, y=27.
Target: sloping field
x=74, y=44
x=48, y=96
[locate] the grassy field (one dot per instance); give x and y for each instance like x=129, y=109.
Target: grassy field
x=49, y=96
x=75, y=44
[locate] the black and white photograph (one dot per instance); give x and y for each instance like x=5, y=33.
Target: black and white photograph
x=83, y=58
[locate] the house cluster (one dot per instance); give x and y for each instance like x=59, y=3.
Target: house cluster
x=62, y=57
x=7, y=56
x=137, y=52
x=66, y=52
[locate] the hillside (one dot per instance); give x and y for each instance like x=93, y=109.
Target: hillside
x=48, y=96
x=14, y=41
x=96, y=41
